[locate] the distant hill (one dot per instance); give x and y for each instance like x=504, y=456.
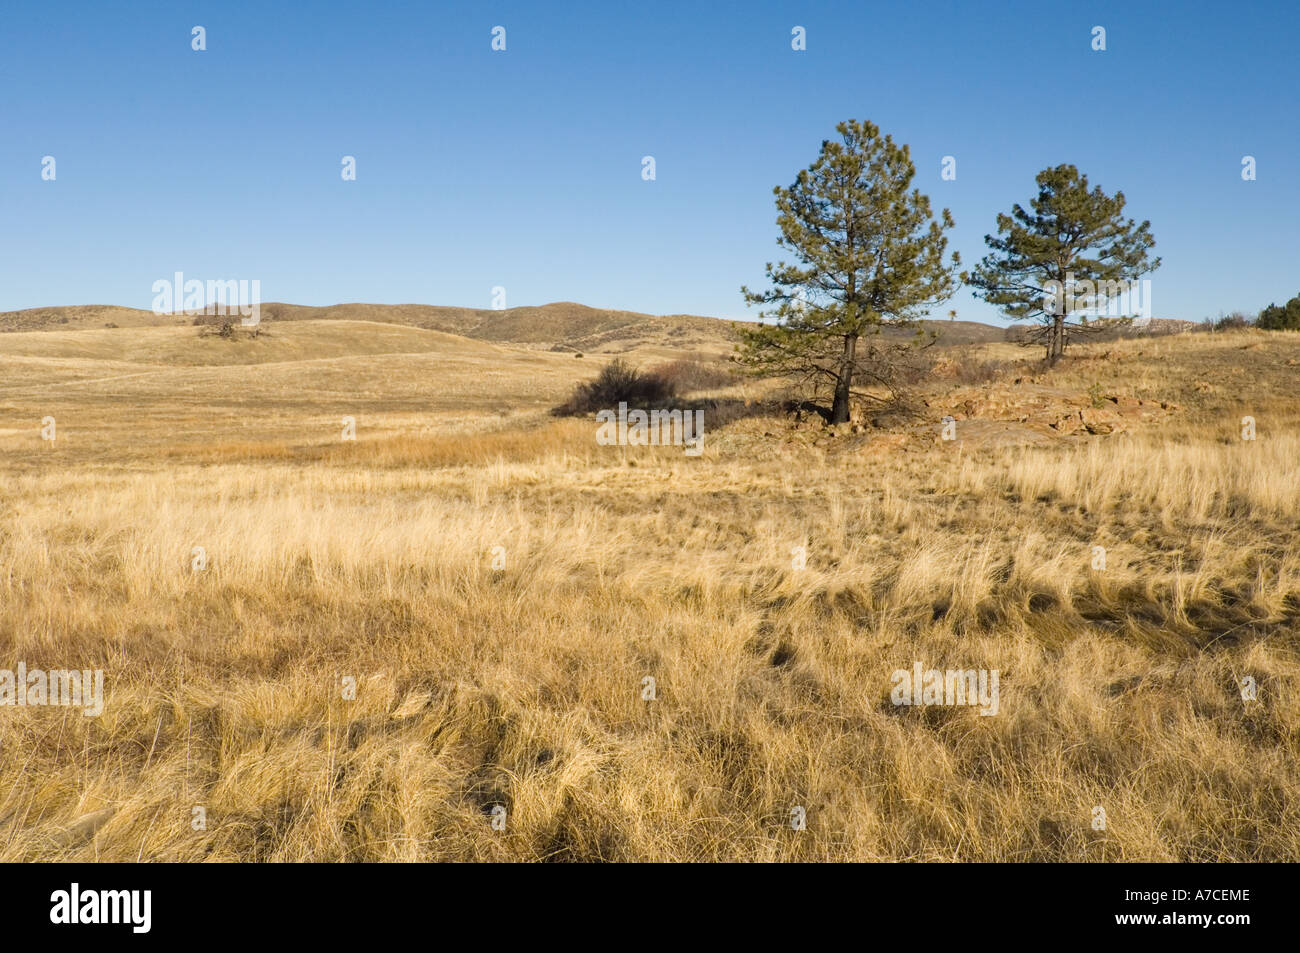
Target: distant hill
x=79, y=317
x=176, y=346
x=561, y=326
x=956, y=333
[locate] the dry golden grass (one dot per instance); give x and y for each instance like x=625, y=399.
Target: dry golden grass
x=522, y=687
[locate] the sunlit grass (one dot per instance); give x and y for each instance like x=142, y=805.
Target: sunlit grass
x=522, y=686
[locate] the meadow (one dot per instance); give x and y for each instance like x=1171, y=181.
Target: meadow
x=498, y=587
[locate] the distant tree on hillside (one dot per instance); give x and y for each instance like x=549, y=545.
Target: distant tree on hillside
x=870, y=256
x=1073, y=252
x=1281, y=318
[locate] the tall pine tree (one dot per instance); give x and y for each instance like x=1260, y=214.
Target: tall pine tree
x=870, y=256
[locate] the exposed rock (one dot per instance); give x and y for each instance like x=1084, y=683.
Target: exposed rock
x=1100, y=421
x=1066, y=423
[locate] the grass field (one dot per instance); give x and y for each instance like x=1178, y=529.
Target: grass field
x=521, y=688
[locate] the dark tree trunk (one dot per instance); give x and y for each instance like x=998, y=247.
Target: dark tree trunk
x=840, y=410
x=1056, y=341
x=1056, y=337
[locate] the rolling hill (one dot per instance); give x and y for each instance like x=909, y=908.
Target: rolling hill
x=559, y=326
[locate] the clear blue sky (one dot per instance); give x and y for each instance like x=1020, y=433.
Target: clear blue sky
x=523, y=168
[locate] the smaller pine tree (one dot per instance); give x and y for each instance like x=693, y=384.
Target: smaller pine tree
x=1071, y=251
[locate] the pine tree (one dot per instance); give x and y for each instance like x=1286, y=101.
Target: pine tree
x=1073, y=253
x=870, y=256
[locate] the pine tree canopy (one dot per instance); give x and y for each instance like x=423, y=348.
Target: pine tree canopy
x=1072, y=252
x=868, y=254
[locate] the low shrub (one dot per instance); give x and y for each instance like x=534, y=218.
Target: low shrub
x=1232, y=322
x=618, y=382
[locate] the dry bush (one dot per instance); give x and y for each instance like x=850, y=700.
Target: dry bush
x=1237, y=321
x=618, y=382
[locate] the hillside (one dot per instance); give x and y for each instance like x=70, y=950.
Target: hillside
x=560, y=326
x=186, y=346
x=80, y=317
